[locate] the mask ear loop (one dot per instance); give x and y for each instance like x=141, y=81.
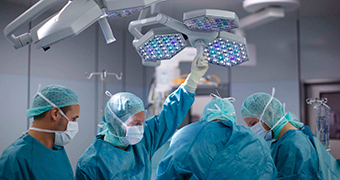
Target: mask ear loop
x=270, y=100
x=281, y=119
x=51, y=103
x=115, y=116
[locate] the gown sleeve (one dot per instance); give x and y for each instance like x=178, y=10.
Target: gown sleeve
x=14, y=167
x=162, y=126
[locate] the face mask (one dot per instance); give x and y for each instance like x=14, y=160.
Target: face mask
x=61, y=137
x=259, y=129
x=134, y=134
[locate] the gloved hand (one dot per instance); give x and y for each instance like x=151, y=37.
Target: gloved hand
x=194, y=77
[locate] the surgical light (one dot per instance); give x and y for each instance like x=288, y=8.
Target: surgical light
x=211, y=20
x=123, y=8
x=160, y=44
x=222, y=48
x=122, y=13
x=228, y=50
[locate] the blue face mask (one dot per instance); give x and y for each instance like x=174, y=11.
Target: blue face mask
x=259, y=129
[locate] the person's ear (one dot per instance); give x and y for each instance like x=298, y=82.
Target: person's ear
x=54, y=112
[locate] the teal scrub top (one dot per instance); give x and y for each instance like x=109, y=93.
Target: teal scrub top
x=217, y=150
x=102, y=160
x=27, y=158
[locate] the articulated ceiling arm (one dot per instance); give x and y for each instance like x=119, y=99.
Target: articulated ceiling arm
x=134, y=26
x=30, y=14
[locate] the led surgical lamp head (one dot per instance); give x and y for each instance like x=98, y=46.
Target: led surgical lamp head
x=159, y=44
x=222, y=48
x=75, y=17
x=123, y=8
x=210, y=20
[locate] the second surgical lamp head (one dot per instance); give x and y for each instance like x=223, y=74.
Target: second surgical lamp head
x=205, y=29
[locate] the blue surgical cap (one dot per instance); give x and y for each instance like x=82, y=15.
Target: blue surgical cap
x=124, y=105
x=59, y=95
x=219, y=108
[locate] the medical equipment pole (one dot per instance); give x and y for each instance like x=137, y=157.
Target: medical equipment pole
x=322, y=120
x=103, y=76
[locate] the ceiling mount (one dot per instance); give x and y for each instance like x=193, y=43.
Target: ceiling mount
x=256, y=5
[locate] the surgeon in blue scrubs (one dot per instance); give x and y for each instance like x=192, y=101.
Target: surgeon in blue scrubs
x=296, y=152
x=125, y=149
x=39, y=153
x=216, y=148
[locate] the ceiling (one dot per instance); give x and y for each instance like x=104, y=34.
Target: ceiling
x=176, y=8
x=313, y=8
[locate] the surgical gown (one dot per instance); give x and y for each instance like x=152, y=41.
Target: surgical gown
x=295, y=155
x=329, y=166
x=27, y=158
x=216, y=150
x=104, y=161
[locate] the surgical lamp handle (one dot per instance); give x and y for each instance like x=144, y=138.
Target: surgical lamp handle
x=199, y=44
x=134, y=26
x=106, y=28
x=30, y=14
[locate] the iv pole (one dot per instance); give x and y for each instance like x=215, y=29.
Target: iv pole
x=103, y=76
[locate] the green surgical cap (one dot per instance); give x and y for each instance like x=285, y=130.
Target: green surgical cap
x=254, y=105
x=219, y=108
x=124, y=105
x=59, y=95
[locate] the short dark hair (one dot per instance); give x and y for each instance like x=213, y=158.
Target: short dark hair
x=41, y=116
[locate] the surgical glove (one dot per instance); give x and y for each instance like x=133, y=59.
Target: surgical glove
x=194, y=77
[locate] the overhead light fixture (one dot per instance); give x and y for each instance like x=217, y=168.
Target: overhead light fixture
x=210, y=20
x=227, y=50
x=206, y=40
x=160, y=44
x=123, y=8
x=72, y=19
